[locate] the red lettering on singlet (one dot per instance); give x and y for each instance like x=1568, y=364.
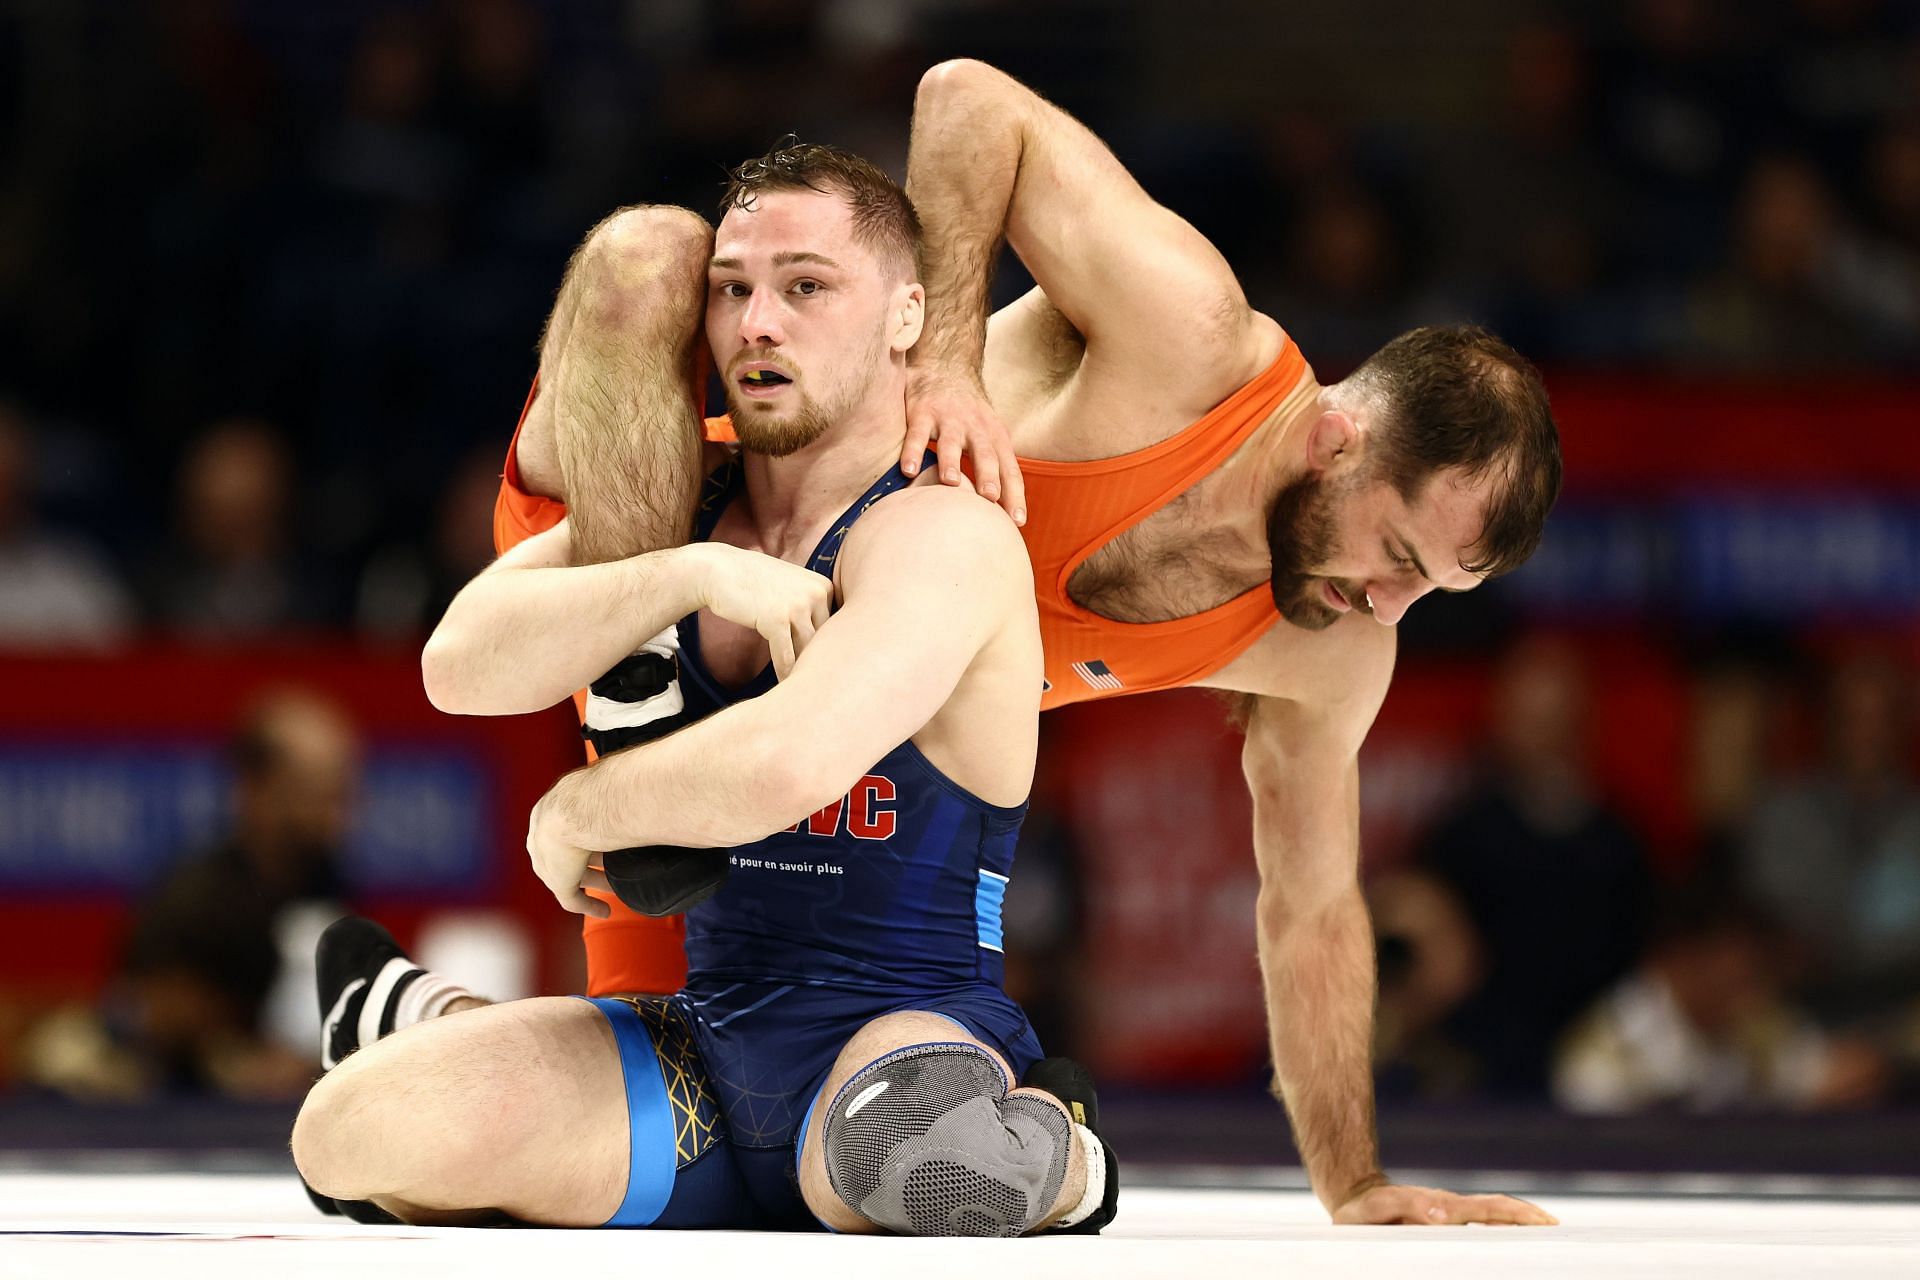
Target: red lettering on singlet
x=866, y=819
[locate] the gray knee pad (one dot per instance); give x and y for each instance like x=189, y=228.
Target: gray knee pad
x=926, y=1142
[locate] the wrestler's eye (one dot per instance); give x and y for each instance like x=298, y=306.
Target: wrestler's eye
x=733, y=289
x=806, y=288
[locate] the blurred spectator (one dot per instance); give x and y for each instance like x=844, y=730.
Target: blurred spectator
x=1803, y=289
x=406, y=587
x=1839, y=66
x=233, y=571
x=1739, y=710
x=1703, y=1026
x=1553, y=882
x=1893, y=183
x=207, y=949
x=1430, y=959
x=1835, y=855
x=1531, y=215
x=1676, y=98
x=55, y=590
x=1348, y=276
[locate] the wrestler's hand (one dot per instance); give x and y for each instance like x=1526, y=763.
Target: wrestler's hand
x=558, y=859
x=783, y=602
x=951, y=411
x=1389, y=1204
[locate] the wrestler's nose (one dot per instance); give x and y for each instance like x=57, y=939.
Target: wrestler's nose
x=1391, y=600
x=760, y=320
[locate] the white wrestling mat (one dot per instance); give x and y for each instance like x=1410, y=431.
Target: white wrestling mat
x=65, y=1225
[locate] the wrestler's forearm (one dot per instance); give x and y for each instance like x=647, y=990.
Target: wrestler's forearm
x=968, y=130
x=1319, y=975
x=522, y=639
x=733, y=778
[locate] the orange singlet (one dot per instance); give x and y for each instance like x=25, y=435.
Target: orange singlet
x=1078, y=507
x=1075, y=509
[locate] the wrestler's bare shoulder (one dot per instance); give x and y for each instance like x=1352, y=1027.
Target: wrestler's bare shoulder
x=1344, y=669
x=1065, y=403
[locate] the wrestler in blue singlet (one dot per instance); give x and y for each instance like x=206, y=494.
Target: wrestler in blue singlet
x=887, y=900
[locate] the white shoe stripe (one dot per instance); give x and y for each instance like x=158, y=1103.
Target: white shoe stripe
x=327, y=1024
x=379, y=994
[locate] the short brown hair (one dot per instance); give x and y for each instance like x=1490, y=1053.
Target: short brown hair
x=1456, y=396
x=883, y=218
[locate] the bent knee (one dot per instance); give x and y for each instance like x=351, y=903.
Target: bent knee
x=928, y=1141
x=648, y=256
x=317, y=1140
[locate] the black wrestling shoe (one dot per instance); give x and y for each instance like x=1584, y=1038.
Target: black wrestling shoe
x=638, y=701
x=361, y=973
x=357, y=1210
x=659, y=880
x=1072, y=1083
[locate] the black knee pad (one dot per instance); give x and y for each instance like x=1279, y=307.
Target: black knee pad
x=926, y=1142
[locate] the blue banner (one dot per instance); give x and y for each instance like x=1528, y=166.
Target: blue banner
x=1786, y=558
x=113, y=818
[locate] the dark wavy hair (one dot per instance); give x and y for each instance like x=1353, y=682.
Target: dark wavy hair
x=884, y=219
x=1456, y=396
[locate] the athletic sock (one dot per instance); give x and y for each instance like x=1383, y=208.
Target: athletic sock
x=370, y=988
x=1094, y=1197
x=1073, y=1085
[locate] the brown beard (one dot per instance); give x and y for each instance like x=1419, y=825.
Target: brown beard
x=775, y=436
x=1300, y=538
x=761, y=430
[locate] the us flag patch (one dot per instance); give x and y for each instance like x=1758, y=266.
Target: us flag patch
x=1095, y=673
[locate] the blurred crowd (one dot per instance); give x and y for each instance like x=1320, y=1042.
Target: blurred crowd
x=271, y=278
x=1534, y=947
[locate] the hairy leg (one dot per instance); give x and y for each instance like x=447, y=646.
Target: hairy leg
x=517, y=1108
x=873, y=1041
x=615, y=429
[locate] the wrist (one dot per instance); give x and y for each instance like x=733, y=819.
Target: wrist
x=936, y=370
x=1360, y=1187
x=690, y=573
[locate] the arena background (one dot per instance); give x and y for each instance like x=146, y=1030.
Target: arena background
x=271, y=278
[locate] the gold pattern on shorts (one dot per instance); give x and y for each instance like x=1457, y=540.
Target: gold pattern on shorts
x=696, y=1114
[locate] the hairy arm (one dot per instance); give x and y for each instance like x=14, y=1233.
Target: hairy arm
x=1316, y=941
x=991, y=158
x=929, y=577
x=531, y=628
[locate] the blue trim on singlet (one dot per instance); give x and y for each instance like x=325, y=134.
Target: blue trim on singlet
x=992, y=891
x=651, y=1162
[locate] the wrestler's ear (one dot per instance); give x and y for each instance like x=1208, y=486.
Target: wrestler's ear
x=909, y=315
x=1333, y=442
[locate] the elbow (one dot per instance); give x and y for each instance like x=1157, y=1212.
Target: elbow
x=450, y=674
x=440, y=675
